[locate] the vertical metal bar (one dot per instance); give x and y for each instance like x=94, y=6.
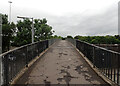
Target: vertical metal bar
x=119, y=45
x=93, y=57
x=114, y=68
x=99, y=59
x=108, y=64
x=118, y=56
x=42, y=45
x=32, y=30
x=104, y=62
x=6, y=67
x=1, y=71
x=0, y=35
x=1, y=66
x=10, y=11
x=119, y=18
x=111, y=56
x=47, y=43
x=27, y=56
x=11, y=66
x=38, y=48
x=114, y=74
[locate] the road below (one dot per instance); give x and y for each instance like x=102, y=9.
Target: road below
x=62, y=64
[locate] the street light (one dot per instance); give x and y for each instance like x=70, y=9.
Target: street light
x=32, y=26
x=10, y=11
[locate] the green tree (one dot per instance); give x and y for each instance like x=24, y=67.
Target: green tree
x=23, y=33
x=94, y=41
x=58, y=37
x=7, y=33
x=100, y=39
x=42, y=29
x=76, y=37
x=70, y=37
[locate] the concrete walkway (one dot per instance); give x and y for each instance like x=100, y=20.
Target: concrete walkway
x=62, y=64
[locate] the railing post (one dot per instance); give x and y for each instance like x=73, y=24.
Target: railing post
x=118, y=70
x=1, y=68
x=38, y=48
x=93, y=57
x=47, y=44
x=6, y=66
x=26, y=56
x=119, y=48
x=1, y=71
x=74, y=42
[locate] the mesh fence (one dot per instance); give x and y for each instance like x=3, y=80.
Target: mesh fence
x=15, y=60
x=107, y=61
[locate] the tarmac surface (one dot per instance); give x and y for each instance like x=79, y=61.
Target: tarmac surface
x=62, y=64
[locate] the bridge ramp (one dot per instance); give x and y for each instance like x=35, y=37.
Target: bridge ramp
x=61, y=64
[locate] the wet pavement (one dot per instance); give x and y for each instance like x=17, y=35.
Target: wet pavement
x=62, y=64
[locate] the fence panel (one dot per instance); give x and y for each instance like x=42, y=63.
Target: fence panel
x=13, y=61
x=107, y=61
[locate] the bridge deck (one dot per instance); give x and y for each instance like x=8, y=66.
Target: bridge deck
x=61, y=64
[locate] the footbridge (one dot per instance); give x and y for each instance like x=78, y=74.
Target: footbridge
x=67, y=62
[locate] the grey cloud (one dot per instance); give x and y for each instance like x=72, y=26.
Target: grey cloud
x=79, y=24
x=99, y=24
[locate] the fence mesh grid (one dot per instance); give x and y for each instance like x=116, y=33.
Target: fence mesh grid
x=15, y=60
x=106, y=61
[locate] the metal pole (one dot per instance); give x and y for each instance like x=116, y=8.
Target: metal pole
x=119, y=18
x=93, y=57
x=32, y=31
x=119, y=48
x=1, y=68
x=10, y=11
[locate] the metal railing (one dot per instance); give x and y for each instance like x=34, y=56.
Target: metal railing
x=15, y=60
x=73, y=41
x=107, y=61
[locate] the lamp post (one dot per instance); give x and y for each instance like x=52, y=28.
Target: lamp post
x=1, y=67
x=10, y=11
x=32, y=26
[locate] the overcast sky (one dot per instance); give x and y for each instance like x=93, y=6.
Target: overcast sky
x=69, y=17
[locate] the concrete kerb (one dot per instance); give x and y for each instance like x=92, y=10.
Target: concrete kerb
x=95, y=69
x=25, y=69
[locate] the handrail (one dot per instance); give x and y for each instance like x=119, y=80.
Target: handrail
x=107, y=61
x=14, y=60
x=99, y=47
x=20, y=47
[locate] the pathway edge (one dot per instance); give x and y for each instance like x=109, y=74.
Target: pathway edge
x=95, y=69
x=25, y=69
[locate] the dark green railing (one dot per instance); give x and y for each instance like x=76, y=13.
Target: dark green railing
x=13, y=61
x=107, y=61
